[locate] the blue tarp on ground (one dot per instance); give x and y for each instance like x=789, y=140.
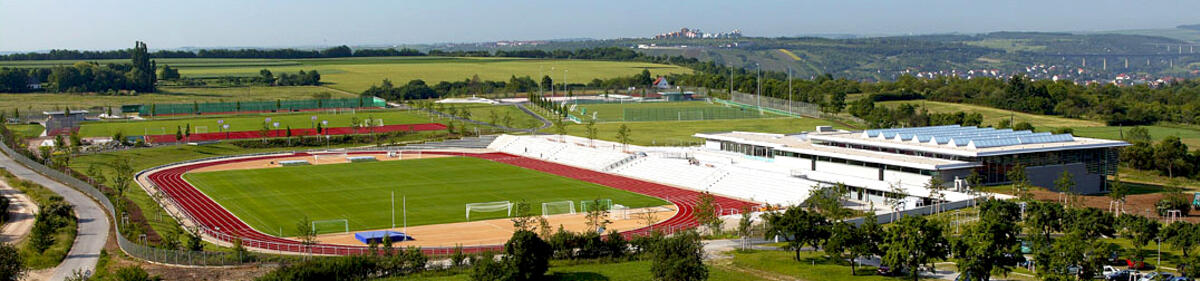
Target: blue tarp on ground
x=367, y=237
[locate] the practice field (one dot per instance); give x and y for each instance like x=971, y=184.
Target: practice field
x=516, y=118
x=246, y=122
x=664, y=111
x=275, y=199
x=680, y=132
x=38, y=102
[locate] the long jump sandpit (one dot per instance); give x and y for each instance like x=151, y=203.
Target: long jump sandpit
x=498, y=231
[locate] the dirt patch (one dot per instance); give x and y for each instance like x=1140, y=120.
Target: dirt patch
x=1139, y=204
x=321, y=159
x=19, y=216
x=498, y=231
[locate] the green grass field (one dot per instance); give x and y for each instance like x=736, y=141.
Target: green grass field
x=1189, y=136
x=992, y=116
x=615, y=112
x=436, y=190
x=37, y=102
x=245, y=122
x=519, y=119
x=680, y=132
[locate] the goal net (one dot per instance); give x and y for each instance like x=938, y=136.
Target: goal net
x=331, y=226
x=489, y=207
x=558, y=207
x=600, y=204
x=200, y=129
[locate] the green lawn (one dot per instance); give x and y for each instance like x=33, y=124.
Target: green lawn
x=27, y=130
x=250, y=122
x=992, y=116
x=437, y=189
x=519, y=118
x=1190, y=136
x=622, y=271
x=813, y=266
x=680, y=132
x=38, y=102
x=614, y=112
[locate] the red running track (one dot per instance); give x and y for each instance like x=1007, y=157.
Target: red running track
x=170, y=138
x=219, y=223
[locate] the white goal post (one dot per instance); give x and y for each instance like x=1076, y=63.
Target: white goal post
x=489, y=207
x=344, y=222
x=200, y=129
x=558, y=207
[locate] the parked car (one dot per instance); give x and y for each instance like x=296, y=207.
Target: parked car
x=887, y=271
x=1123, y=275
x=1025, y=248
x=1132, y=264
x=1108, y=270
x=1180, y=278
x=1156, y=276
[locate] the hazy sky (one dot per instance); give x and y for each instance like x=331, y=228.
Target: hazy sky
x=110, y=24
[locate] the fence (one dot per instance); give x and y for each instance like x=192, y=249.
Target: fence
x=133, y=249
x=252, y=106
x=786, y=107
x=919, y=211
x=688, y=113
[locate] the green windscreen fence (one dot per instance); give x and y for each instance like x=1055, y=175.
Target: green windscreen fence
x=252, y=106
x=688, y=113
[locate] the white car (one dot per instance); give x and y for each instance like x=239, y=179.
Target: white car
x=1155, y=276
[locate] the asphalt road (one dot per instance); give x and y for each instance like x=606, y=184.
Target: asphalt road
x=93, y=222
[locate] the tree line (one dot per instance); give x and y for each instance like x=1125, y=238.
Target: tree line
x=417, y=89
x=138, y=75
x=333, y=52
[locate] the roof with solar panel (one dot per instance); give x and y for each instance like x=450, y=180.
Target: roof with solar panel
x=965, y=140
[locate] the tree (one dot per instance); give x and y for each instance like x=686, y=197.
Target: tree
x=12, y=266
x=194, y=241
x=1117, y=190
x=1137, y=134
x=706, y=212
x=133, y=273
x=991, y=246
x=178, y=134
x=914, y=241
x=1183, y=235
x=305, y=232
x=487, y=269
x=623, y=136
x=266, y=76
x=168, y=73
x=142, y=73
x=1066, y=184
x=745, y=225
x=827, y=200
x=547, y=83
x=524, y=218
x=1020, y=182
x=679, y=258
x=122, y=175
x=1140, y=231
x=799, y=226
x=842, y=237
x=41, y=237
x=1043, y=219
x=597, y=217
x=590, y=130
x=560, y=128
x=527, y=256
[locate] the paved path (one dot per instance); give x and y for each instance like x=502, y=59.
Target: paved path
x=19, y=214
x=93, y=222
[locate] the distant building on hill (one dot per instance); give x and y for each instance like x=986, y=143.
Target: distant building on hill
x=662, y=83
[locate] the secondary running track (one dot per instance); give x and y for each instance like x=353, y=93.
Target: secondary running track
x=278, y=133
x=219, y=223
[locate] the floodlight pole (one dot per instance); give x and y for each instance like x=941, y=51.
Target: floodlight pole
x=789, y=89
x=404, y=204
x=393, y=209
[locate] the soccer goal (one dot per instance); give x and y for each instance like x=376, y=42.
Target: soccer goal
x=331, y=226
x=558, y=207
x=200, y=129
x=489, y=207
x=588, y=205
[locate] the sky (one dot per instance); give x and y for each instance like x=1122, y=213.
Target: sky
x=29, y=25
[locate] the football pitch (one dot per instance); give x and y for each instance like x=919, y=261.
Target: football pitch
x=274, y=200
x=247, y=122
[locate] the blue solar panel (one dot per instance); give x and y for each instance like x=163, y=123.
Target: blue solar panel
x=962, y=136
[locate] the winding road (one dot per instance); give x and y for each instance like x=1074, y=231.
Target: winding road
x=93, y=222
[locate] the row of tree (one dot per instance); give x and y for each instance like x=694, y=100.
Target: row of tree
x=333, y=52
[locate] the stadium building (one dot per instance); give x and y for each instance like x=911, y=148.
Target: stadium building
x=874, y=163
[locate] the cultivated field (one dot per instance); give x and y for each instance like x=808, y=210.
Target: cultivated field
x=436, y=190
x=1189, y=136
x=246, y=122
x=37, y=102
x=358, y=74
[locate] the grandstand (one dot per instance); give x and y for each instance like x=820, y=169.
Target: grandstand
x=575, y=152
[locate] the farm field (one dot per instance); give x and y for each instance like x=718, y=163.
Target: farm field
x=694, y=110
x=680, y=132
x=245, y=122
x=358, y=74
x=436, y=191
x=1189, y=136
x=37, y=102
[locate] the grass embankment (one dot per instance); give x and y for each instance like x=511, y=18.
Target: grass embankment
x=63, y=236
x=616, y=112
x=519, y=119
x=622, y=271
x=247, y=122
x=992, y=116
x=30, y=103
x=436, y=191
x=680, y=132
x=150, y=157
